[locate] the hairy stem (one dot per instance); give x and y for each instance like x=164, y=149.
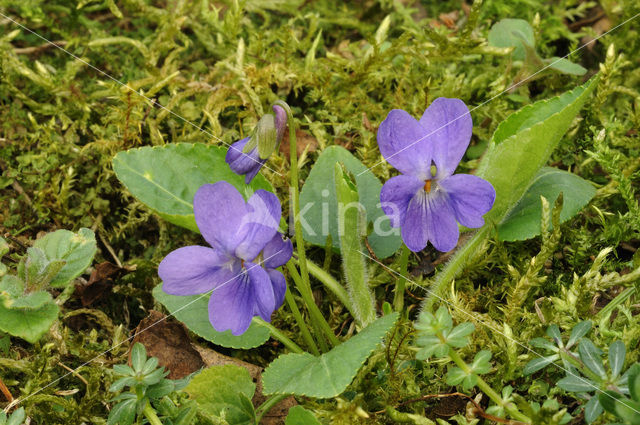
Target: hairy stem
x=306, y=335
x=316, y=315
x=330, y=283
x=275, y=333
x=453, y=267
x=398, y=297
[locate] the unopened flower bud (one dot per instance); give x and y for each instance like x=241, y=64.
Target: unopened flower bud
x=248, y=155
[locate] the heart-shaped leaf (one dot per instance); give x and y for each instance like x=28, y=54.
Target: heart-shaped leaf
x=523, y=221
x=193, y=311
x=165, y=178
x=319, y=205
x=328, y=375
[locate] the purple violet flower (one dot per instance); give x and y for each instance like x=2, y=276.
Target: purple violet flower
x=240, y=266
x=249, y=163
x=427, y=201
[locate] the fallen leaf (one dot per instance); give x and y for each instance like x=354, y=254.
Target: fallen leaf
x=169, y=341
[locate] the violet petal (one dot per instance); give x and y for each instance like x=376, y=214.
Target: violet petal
x=399, y=140
x=279, y=286
x=471, y=197
x=263, y=296
x=219, y=210
x=430, y=217
x=448, y=124
x=277, y=252
x=231, y=305
x=259, y=225
x=190, y=270
x=396, y=194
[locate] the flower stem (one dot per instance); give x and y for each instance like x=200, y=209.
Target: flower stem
x=449, y=272
x=314, y=311
x=291, y=302
x=268, y=405
x=151, y=414
x=398, y=297
x=275, y=333
x=485, y=388
x=332, y=284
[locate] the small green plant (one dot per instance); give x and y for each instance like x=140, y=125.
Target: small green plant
x=586, y=374
x=625, y=408
x=27, y=308
x=437, y=337
x=148, y=393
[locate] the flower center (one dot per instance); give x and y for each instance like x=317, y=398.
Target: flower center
x=427, y=186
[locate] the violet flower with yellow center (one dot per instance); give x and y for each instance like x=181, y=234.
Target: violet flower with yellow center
x=427, y=201
x=239, y=269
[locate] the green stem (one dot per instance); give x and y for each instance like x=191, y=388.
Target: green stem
x=275, y=333
x=449, y=272
x=485, y=388
x=268, y=405
x=564, y=355
x=151, y=414
x=304, y=286
x=331, y=284
x=316, y=315
x=291, y=302
x=398, y=297
x=622, y=297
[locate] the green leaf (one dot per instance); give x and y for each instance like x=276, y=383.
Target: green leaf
x=319, y=205
x=455, y=375
x=590, y=356
x=75, y=249
x=193, y=311
x=592, y=410
x=328, y=375
x=578, y=331
x=565, y=66
x=17, y=417
x=27, y=317
x=298, y=415
x=138, y=357
x=12, y=286
x=539, y=363
x=512, y=33
x=523, y=143
x=620, y=406
x=523, y=221
x=576, y=384
x=617, y=352
x=481, y=364
x=225, y=389
x=634, y=382
x=458, y=336
x=123, y=413
x=165, y=178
